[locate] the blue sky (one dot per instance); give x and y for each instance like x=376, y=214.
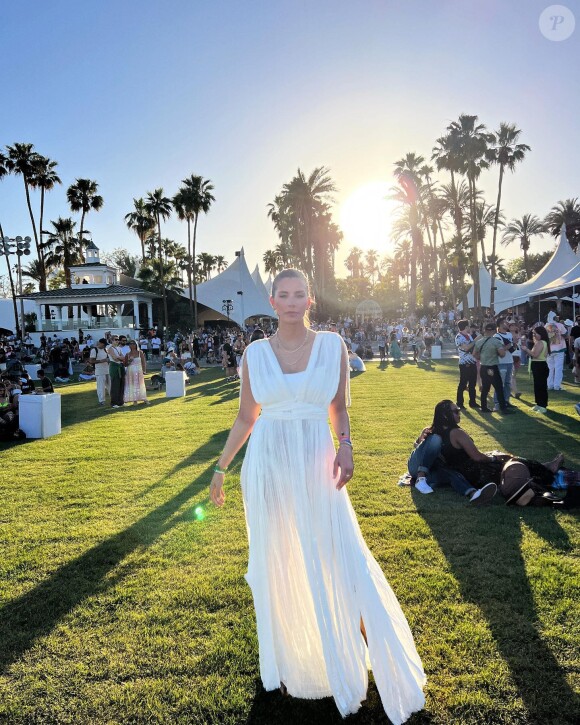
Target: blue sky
x=139, y=95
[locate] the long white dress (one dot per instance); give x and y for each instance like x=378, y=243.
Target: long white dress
x=310, y=571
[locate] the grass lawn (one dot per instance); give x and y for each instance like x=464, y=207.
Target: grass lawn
x=119, y=604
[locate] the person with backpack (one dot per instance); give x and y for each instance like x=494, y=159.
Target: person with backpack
x=488, y=350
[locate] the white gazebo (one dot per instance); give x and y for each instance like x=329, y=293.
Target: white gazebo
x=96, y=299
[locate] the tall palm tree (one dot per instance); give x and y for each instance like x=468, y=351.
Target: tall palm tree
x=199, y=199
x=403, y=257
x=183, y=203
x=158, y=206
x=407, y=174
x=4, y=172
x=568, y=213
x=24, y=161
x=45, y=178
x=354, y=262
x=473, y=141
x=372, y=264
x=64, y=247
x=522, y=230
x=158, y=275
x=505, y=152
x=82, y=196
x=140, y=222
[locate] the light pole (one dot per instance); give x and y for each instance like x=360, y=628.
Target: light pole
x=227, y=307
x=17, y=246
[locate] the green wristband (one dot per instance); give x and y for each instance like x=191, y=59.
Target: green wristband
x=217, y=469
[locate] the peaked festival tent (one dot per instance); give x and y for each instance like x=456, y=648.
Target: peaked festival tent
x=235, y=283
x=561, y=264
x=257, y=277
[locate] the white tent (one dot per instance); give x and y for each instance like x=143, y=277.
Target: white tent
x=257, y=277
x=235, y=283
x=560, y=264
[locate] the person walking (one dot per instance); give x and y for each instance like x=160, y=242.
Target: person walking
x=555, y=359
x=116, y=372
x=136, y=366
x=99, y=359
x=318, y=592
x=465, y=343
x=506, y=364
x=539, y=367
x=488, y=350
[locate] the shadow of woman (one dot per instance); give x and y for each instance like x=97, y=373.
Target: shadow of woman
x=27, y=618
x=483, y=549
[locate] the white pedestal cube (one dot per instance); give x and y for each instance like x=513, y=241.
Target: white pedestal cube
x=436, y=352
x=39, y=415
x=175, y=383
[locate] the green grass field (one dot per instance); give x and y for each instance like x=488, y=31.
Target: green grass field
x=120, y=605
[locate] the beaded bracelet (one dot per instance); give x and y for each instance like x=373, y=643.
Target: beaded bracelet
x=217, y=469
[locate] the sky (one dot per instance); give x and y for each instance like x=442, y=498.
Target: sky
x=139, y=95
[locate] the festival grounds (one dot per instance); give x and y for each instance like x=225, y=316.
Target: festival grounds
x=123, y=597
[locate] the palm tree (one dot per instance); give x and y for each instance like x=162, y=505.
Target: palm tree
x=45, y=179
x=220, y=263
x=403, y=257
x=506, y=153
x=206, y=263
x=82, y=196
x=64, y=247
x=568, y=213
x=153, y=280
x=159, y=207
x=34, y=270
x=272, y=262
x=24, y=161
x=183, y=203
x=522, y=230
x=409, y=194
x=473, y=141
x=140, y=222
x=371, y=264
x=199, y=199
x=354, y=262
x=4, y=172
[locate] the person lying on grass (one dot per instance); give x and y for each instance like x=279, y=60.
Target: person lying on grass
x=445, y=454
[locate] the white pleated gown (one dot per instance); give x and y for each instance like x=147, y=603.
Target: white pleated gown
x=311, y=574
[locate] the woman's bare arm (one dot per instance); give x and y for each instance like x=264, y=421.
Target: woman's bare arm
x=341, y=425
x=247, y=415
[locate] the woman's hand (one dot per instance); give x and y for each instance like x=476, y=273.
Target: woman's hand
x=216, y=489
x=343, y=460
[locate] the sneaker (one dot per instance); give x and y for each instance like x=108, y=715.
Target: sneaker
x=114, y=406
x=484, y=495
x=422, y=486
x=577, y=408
x=102, y=403
x=474, y=405
x=517, y=395
x=540, y=409
x=496, y=408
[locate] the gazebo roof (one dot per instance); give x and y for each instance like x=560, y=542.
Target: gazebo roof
x=90, y=291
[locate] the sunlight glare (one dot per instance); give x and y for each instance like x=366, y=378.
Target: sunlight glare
x=367, y=215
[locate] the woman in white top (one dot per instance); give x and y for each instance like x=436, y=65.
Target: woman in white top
x=325, y=612
x=555, y=359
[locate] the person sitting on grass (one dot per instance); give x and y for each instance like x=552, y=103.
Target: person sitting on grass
x=61, y=374
x=445, y=454
x=87, y=374
x=355, y=362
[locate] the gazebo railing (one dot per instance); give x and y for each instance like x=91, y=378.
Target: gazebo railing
x=90, y=323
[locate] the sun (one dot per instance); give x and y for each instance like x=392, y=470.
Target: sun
x=367, y=215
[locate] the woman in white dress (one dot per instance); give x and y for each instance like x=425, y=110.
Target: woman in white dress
x=325, y=612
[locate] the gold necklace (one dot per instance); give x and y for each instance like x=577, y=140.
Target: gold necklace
x=281, y=347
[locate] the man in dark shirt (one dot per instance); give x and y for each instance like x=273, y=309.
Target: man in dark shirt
x=45, y=383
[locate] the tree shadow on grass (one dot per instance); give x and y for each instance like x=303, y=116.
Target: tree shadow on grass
x=35, y=614
x=483, y=550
